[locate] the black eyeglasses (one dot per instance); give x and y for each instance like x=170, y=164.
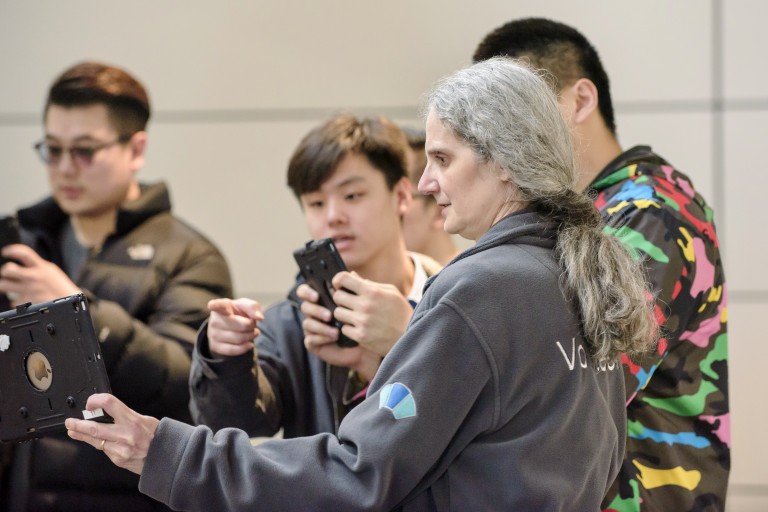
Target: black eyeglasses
x=82, y=156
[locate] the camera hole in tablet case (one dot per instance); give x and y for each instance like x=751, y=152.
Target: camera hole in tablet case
x=39, y=371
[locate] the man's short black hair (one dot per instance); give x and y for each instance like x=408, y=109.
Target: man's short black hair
x=556, y=47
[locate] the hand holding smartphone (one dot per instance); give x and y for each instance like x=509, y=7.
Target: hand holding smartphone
x=319, y=261
x=9, y=233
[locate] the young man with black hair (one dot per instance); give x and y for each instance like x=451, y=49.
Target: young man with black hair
x=350, y=177
x=148, y=277
x=678, y=445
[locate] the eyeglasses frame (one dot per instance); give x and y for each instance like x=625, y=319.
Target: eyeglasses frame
x=78, y=160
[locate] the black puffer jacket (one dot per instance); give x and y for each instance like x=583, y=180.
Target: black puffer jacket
x=148, y=287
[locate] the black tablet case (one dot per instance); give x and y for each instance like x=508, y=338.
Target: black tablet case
x=50, y=363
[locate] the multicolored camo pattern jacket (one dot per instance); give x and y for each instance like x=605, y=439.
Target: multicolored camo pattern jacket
x=679, y=436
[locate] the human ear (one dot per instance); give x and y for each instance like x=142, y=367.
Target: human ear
x=404, y=192
x=584, y=92
x=138, y=146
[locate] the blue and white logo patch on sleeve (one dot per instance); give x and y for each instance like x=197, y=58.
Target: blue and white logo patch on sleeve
x=398, y=399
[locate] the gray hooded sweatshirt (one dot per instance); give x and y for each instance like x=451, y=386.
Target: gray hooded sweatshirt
x=489, y=401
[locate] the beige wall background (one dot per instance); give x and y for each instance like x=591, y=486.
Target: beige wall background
x=235, y=84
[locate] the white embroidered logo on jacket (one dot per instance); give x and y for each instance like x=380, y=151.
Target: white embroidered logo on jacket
x=141, y=252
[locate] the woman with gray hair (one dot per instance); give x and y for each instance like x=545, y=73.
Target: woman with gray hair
x=504, y=393
x=516, y=129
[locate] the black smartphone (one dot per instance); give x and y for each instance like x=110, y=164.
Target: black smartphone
x=9, y=233
x=318, y=262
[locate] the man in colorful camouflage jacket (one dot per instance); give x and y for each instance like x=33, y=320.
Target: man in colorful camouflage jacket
x=678, y=444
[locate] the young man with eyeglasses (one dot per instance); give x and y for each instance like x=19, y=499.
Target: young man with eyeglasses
x=147, y=275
